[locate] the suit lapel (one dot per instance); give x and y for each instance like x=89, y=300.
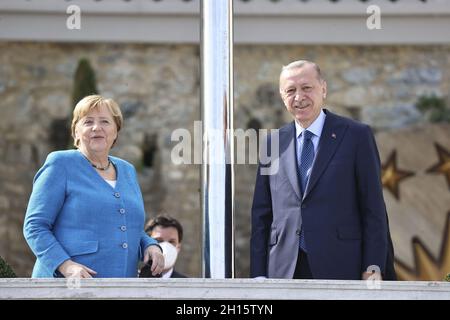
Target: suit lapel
x=288, y=160
x=332, y=134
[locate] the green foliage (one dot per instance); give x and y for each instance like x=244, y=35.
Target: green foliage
x=5, y=270
x=447, y=277
x=84, y=82
x=434, y=108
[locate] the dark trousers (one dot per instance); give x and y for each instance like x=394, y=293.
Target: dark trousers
x=302, y=270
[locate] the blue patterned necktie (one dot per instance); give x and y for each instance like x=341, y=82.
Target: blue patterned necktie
x=306, y=161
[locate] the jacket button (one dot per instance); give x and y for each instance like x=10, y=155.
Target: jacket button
x=123, y=228
x=297, y=232
x=117, y=195
x=124, y=245
x=122, y=210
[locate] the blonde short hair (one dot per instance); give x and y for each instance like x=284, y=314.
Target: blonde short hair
x=88, y=103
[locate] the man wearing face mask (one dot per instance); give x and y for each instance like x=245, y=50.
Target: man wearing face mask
x=169, y=233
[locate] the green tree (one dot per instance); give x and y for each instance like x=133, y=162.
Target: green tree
x=5, y=270
x=434, y=108
x=84, y=82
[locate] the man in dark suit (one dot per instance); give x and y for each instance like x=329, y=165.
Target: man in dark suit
x=167, y=229
x=321, y=215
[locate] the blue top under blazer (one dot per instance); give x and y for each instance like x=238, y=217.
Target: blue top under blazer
x=73, y=213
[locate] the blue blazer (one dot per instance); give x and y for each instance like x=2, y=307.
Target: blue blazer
x=73, y=213
x=342, y=210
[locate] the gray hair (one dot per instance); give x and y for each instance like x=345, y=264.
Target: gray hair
x=300, y=63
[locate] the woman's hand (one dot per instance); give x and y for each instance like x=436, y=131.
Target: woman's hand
x=70, y=269
x=155, y=253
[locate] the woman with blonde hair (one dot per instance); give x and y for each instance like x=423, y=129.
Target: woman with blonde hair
x=85, y=217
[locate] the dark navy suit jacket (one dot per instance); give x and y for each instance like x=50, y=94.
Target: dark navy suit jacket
x=342, y=210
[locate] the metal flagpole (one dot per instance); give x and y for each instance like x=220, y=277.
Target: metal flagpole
x=217, y=175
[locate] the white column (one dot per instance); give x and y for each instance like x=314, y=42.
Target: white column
x=217, y=177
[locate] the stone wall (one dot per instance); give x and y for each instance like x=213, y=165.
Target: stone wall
x=158, y=89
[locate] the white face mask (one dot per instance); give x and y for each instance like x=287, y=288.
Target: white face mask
x=170, y=254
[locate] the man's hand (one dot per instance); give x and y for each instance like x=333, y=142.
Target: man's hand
x=154, y=252
x=372, y=275
x=71, y=269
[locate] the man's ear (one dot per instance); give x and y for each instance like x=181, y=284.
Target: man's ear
x=324, y=89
